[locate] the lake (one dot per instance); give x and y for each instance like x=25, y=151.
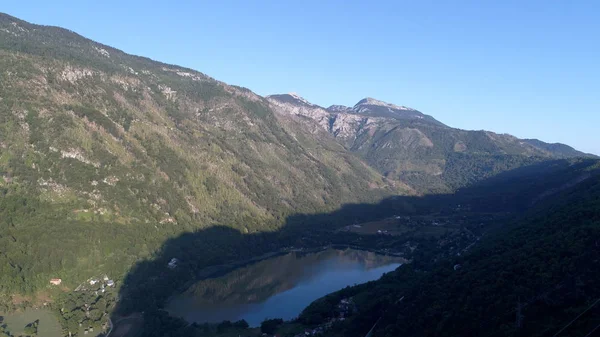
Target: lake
x=278, y=287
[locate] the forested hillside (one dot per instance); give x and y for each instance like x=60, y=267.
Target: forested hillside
x=529, y=278
x=470, y=220
x=113, y=164
x=105, y=155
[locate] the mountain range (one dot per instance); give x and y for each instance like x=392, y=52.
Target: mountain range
x=99, y=136
x=406, y=145
x=105, y=145
x=104, y=156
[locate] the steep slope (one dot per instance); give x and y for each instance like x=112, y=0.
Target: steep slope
x=557, y=149
x=105, y=154
x=479, y=218
x=371, y=107
x=529, y=278
x=407, y=145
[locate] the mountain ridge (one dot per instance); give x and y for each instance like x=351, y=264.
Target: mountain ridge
x=128, y=151
x=337, y=108
x=406, y=145
x=542, y=266
x=113, y=164
x=4, y=17
x=97, y=143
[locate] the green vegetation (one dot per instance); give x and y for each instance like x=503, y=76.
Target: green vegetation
x=85, y=309
x=4, y=332
x=439, y=168
x=542, y=269
x=29, y=322
x=269, y=326
x=31, y=329
x=115, y=164
x=461, y=220
x=107, y=155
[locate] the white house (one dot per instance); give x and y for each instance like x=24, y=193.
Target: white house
x=173, y=263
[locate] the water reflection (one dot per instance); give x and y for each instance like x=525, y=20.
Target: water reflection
x=278, y=287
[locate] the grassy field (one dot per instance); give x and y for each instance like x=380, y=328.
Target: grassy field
x=391, y=225
x=48, y=326
x=420, y=226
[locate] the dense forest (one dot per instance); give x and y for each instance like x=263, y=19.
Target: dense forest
x=530, y=278
x=492, y=211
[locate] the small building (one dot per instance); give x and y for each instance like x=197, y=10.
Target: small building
x=55, y=281
x=105, y=278
x=110, y=283
x=93, y=281
x=173, y=263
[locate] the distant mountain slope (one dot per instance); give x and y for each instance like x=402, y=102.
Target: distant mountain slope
x=558, y=149
x=375, y=108
x=407, y=145
x=105, y=155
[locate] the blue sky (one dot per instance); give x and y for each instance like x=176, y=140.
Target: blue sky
x=528, y=68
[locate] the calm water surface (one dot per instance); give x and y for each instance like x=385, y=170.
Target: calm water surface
x=280, y=287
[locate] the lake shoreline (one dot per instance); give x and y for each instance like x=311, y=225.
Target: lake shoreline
x=323, y=274
x=222, y=269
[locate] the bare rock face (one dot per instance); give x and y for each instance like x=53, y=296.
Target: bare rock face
x=339, y=120
x=346, y=122
x=292, y=104
x=339, y=108
x=366, y=102
x=404, y=144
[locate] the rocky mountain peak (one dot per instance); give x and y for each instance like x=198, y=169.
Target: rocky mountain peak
x=291, y=98
x=376, y=102
x=338, y=108
x=375, y=108
x=299, y=98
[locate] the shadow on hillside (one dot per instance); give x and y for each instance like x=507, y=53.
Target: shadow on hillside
x=150, y=283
